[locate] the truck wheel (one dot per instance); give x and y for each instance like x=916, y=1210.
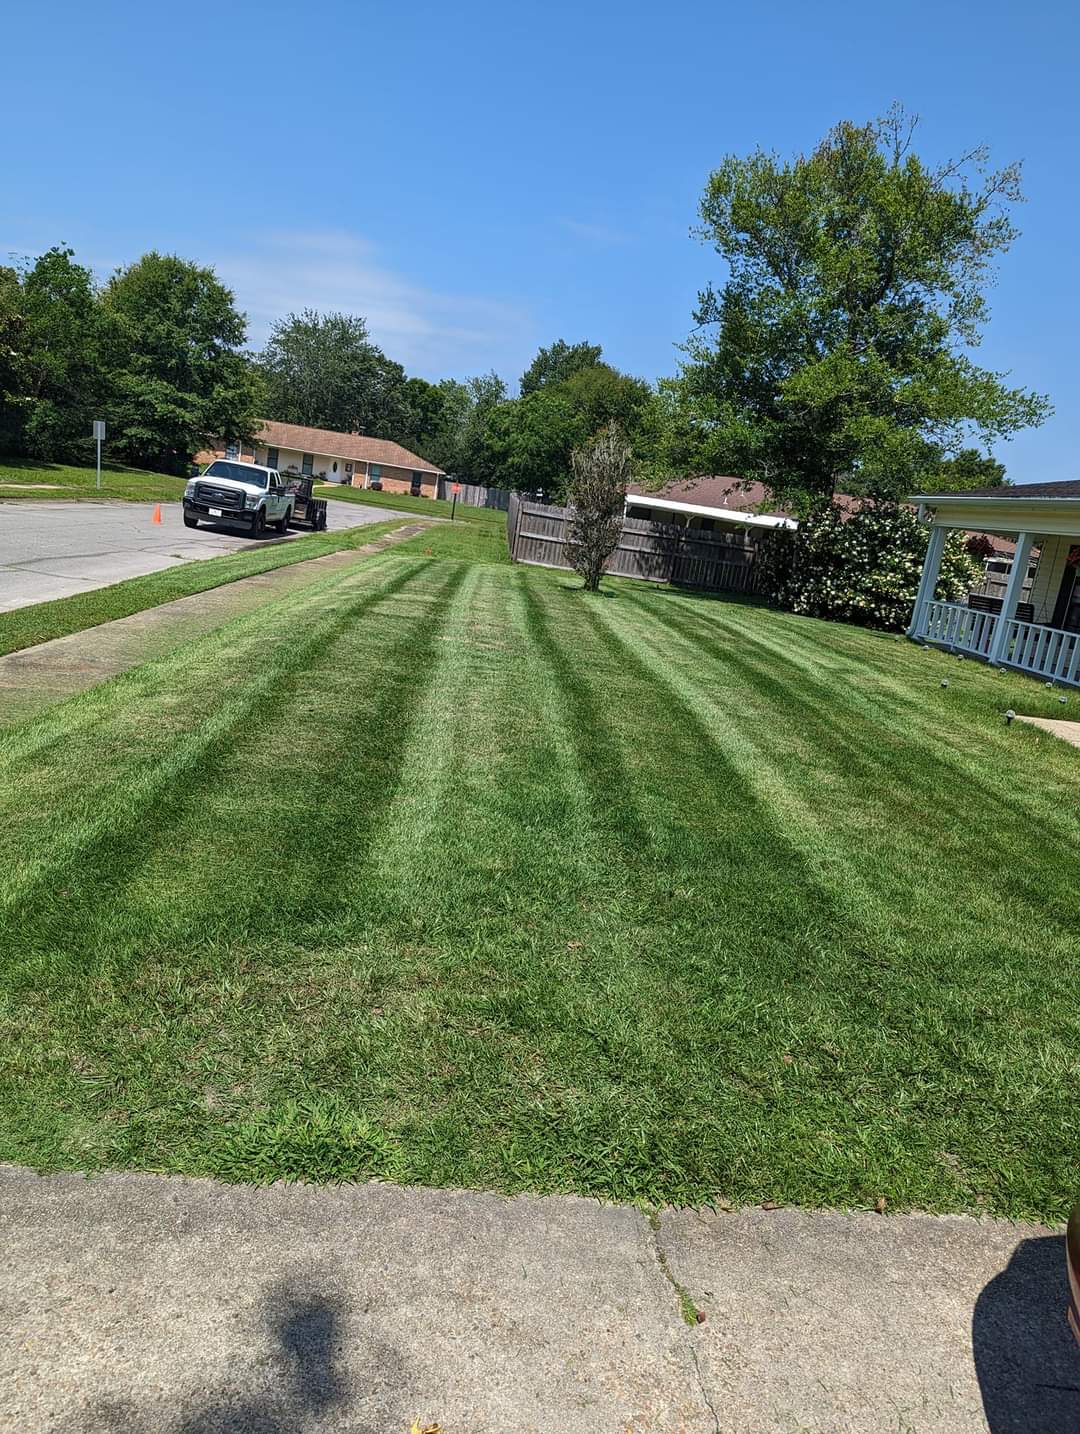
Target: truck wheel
x=190, y=522
x=258, y=523
x=283, y=526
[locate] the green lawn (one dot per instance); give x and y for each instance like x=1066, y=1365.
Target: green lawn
x=404, y=503
x=476, y=880
x=27, y=478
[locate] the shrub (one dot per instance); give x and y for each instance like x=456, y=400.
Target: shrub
x=599, y=472
x=863, y=567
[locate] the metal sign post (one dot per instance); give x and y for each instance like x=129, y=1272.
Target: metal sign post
x=455, y=489
x=99, y=434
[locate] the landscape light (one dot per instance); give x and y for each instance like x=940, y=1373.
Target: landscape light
x=1009, y=717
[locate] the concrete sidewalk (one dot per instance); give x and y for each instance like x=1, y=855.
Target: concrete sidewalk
x=143, y=1303
x=53, y=549
x=35, y=677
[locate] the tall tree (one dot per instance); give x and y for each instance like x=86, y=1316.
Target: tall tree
x=531, y=439
x=969, y=469
x=12, y=362
x=557, y=363
x=54, y=309
x=836, y=353
x=177, y=376
x=600, y=394
x=323, y=370
x=473, y=454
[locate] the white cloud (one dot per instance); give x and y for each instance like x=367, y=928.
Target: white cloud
x=430, y=333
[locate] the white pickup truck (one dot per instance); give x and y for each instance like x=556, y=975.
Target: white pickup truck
x=230, y=492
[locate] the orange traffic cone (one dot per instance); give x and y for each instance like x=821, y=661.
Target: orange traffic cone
x=157, y=513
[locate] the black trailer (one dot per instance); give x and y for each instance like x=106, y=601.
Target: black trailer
x=308, y=512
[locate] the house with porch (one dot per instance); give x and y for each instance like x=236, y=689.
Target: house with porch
x=1041, y=635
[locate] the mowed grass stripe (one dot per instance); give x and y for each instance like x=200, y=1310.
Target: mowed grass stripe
x=195, y=916
x=593, y=894
x=139, y=741
x=914, y=964
x=897, y=789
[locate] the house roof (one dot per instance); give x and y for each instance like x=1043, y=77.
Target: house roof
x=708, y=494
x=715, y=492
x=326, y=443
x=1068, y=488
x=741, y=516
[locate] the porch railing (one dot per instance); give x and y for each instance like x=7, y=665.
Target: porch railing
x=955, y=626
x=1046, y=652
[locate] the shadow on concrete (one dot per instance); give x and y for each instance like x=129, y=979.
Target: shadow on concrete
x=1026, y=1359
x=301, y=1385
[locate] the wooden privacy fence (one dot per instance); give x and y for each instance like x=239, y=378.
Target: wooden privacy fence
x=659, y=552
x=473, y=495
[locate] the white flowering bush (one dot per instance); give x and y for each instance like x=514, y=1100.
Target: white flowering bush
x=862, y=568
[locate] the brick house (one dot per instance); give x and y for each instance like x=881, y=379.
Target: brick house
x=336, y=458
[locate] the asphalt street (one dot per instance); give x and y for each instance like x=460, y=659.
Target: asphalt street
x=54, y=549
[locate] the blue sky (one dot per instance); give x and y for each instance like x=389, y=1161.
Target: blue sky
x=479, y=179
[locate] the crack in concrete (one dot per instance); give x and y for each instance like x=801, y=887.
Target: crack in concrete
x=709, y=1405
x=687, y=1308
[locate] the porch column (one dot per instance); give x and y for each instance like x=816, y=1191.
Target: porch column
x=928, y=582
x=999, y=644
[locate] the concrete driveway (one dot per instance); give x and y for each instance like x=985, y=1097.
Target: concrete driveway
x=53, y=549
x=150, y=1305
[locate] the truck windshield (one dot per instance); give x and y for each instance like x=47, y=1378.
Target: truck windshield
x=238, y=472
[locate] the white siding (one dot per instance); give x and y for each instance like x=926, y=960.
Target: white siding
x=1047, y=584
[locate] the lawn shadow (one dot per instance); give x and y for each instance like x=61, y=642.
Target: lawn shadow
x=301, y=1384
x=1026, y=1359
x=39, y=465
x=580, y=588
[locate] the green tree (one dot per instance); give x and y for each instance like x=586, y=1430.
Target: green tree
x=50, y=310
x=556, y=364
x=177, y=377
x=472, y=452
x=836, y=353
x=969, y=469
x=324, y=371
x=12, y=367
x=601, y=394
x=530, y=440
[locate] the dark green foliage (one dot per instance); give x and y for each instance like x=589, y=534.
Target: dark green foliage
x=51, y=378
x=177, y=377
x=969, y=469
x=863, y=568
x=567, y=395
x=556, y=364
x=531, y=439
x=837, y=358
x=322, y=370
x=156, y=353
